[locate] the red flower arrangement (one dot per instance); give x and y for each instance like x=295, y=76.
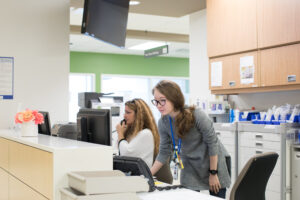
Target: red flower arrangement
x=29, y=115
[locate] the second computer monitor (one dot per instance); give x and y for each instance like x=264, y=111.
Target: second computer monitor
x=45, y=128
x=94, y=125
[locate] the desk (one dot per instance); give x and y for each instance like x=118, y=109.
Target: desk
x=177, y=194
x=36, y=167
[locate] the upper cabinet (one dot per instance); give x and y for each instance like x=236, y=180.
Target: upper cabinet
x=280, y=66
x=278, y=22
x=231, y=26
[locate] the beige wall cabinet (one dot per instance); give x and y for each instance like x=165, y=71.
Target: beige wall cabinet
x=278, y=22
x=231, y=26
x=280, y=66
x=3, y=184
x=232, y=78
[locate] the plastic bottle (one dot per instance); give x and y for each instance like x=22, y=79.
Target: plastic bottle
x=231, y=116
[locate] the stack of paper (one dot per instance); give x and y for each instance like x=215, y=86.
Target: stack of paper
x=108, y=185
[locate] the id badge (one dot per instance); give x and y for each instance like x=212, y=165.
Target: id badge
x=175, y=172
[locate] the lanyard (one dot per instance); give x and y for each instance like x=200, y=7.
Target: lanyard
x=177, y=152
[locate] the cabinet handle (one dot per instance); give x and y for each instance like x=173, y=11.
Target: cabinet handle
x=231, y=83
x=291, y=78
x=258, y=152
x=218, y=133
x=298, y=156
x=260, y=144
x=259, y=136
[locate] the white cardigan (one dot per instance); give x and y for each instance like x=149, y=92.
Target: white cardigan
x=142, y=146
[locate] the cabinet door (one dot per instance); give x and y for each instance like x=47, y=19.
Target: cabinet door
x=3, y=185
x=20, y=191
x=4, y=153
x=280, y=66
x=231, y=26
x=226, y=64
x=238, y=71
x=33, y=167
x=278, y=22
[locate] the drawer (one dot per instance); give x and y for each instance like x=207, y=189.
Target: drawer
x=227, y=140
x=230, y=149
x=260, y=136
x=247, y=153
x=274, y=183
x=20, y=191
x=270, y=195
x=270, y=145
x=32, y=166
x=227, y=134
x=4, y=153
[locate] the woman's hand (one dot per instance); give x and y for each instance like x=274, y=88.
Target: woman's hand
x=121, y=130
x=214, y=183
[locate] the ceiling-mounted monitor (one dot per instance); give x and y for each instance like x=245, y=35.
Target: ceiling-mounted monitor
x=106, y=20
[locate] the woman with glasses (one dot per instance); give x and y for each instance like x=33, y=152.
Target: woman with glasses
x=138, y=135
x=188, y=134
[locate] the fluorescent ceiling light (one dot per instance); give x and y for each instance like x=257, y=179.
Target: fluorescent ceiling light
x=147, y=45
x=134, y=3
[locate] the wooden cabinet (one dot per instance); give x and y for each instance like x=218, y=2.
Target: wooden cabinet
x=280, y=66
x=232, y=76
x=231, y=26
x=3, y=184
x=278, y=22
x=20, y=191
x=33, y=167
x=4, y=153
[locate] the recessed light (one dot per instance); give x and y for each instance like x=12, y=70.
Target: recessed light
x=134, y=3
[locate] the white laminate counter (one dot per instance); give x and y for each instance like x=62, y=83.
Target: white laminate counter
x=49, y=143
x=177, y=194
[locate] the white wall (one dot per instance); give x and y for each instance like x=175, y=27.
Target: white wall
x=199, y=74
x=36, y=34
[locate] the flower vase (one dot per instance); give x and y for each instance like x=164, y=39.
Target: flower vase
x=29, y=129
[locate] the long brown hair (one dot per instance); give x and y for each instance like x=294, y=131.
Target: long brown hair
x=143, y=119
x=185, y=120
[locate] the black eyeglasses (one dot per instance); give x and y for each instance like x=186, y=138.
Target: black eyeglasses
x=161, y=102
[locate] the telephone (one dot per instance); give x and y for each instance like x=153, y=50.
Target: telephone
x=133, y=166
x=124, y=120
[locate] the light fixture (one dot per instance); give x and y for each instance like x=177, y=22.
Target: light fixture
x=147, y=45
x=134, y=3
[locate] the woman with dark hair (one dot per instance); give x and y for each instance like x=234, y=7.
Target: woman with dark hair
x=189, y=134
x=138, y=135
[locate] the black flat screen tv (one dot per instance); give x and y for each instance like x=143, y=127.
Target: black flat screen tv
x=106, y=20
x=94, y=125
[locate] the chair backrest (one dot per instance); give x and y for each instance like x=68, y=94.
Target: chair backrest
x=252, y=181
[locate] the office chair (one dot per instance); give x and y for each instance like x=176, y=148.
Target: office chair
x=251, y=183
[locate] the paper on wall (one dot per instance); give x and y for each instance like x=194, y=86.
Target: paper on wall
x=216, y=74
x=247, y=69
x=6, y=77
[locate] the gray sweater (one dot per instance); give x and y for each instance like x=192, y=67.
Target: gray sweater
x=200, y=143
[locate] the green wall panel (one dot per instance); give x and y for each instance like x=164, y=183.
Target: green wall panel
x=98, y=63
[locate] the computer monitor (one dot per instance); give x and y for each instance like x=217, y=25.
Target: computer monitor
x=45, y=128
x=94, y=125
